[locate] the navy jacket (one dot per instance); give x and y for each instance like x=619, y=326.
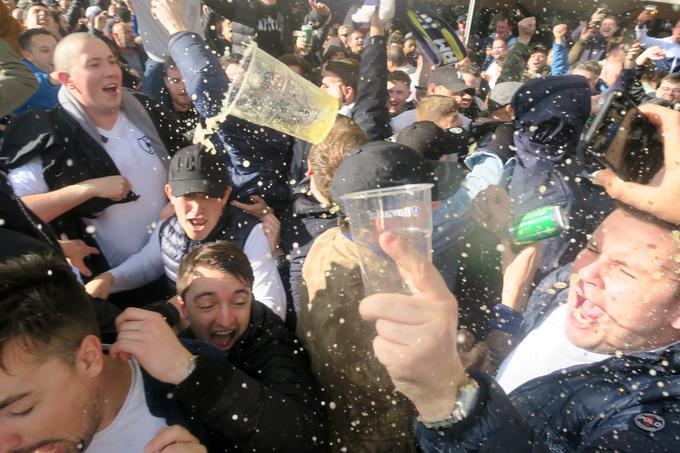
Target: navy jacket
x=624, y=404
x=257, y=157
x=550, y=114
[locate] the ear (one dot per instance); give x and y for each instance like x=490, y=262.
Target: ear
x=675, y=322
x=430, y=88
x=227, y=194
x=168, y=191
x=28, y=55
x=182, y=306
x=65, y=79
x=509, y=110
x=90, y=357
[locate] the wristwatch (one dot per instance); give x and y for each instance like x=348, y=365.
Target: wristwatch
x=192, y=364
x=465, y=402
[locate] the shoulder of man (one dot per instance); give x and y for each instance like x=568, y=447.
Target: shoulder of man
x=28, y=135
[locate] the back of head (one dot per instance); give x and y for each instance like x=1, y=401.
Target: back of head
x=43, y=306
x=222, y=256
x=325, y=157
x=435, y=107
x=395, y=55
x=346, y=69
x=591, y=66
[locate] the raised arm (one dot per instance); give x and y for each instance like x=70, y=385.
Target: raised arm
x=370, y=110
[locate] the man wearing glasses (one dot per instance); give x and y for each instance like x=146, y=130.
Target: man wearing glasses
x=180, y=101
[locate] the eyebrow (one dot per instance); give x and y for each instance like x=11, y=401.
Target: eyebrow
x=12, y=399
x=214, y=294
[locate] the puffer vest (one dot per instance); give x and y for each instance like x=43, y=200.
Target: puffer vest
x=234, y=226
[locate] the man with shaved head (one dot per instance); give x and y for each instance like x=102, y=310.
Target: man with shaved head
x=96, y=165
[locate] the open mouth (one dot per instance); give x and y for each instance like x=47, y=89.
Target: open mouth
x=197, y=222
x=585, y=312
x=223, y=339
x=111, y=89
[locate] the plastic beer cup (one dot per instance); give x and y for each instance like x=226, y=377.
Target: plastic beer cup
x=269, y=94
x=405, y=211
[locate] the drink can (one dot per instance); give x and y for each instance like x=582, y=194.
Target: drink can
x=308, y=31
x=541, y=223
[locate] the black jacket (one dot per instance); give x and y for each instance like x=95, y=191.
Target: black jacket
x=70, y=155
x=263, y=398
x=618, y=404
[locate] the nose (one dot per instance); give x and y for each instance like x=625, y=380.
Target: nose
x=9, y=442
x=591, y=274
x=226, y=318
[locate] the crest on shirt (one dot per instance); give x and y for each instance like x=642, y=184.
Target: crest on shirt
x=145, y=143
x=649, y=422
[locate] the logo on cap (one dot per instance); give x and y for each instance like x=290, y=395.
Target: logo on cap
x=650, y=422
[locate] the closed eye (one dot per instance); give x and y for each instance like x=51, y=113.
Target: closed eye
x=23, y=413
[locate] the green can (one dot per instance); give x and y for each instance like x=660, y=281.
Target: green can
x=541, y=223
x=308, y=31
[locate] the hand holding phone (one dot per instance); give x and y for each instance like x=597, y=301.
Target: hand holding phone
x=659, y=196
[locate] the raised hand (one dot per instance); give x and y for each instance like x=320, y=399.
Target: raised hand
x=417, y=334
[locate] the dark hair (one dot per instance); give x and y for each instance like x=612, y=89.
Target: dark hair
x=124, y=14
x=26, y=37
x=399, y=76
x=222, y=256
x=168, y=63
x=395, y=54
x=470, y=68
x=44, y=306
x=672, y=78
x=346, y=69
x=290, y=59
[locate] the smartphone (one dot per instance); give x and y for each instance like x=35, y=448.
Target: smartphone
x=622, y=139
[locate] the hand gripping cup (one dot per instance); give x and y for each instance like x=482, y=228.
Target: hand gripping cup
x=271, y=95
x=405, y=211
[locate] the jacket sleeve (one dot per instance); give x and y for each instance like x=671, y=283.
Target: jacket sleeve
x=515, y=63
x=370, y=109
x=277, y=412
x=576, y=51
x=493, y=425
x=630, y=83
x=17, y=82
x=560, y=64
x=73, y=14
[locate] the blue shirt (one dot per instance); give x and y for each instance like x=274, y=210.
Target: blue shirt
x=46, y=94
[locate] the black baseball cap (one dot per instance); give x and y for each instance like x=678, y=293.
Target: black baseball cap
x=431, y=141
x=194, y=169
x=383, y=164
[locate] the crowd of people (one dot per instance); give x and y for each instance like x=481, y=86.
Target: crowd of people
x=166, y=287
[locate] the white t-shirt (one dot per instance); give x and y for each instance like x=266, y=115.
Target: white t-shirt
x=546, y=349
x=405, y=119
x=147, y=265
x=123, y=228
x=133, y=427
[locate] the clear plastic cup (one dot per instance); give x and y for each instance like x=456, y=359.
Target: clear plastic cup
x=269, y=94
x=405, y=211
